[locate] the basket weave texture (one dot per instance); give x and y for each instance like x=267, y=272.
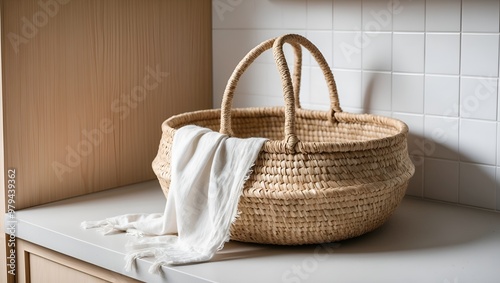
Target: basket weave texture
x=322, y=176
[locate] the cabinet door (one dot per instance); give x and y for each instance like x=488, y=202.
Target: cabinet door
x=40, y=265
x=43, y=270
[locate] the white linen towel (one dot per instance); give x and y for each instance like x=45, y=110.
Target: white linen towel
x=208, y=172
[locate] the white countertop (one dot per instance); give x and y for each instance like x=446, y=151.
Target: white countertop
x=422, y=242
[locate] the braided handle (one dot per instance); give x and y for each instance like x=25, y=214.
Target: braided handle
x=290, y=90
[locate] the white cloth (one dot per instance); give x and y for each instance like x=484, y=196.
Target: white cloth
x=208, y=172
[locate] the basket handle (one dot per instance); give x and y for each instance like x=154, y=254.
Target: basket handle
x=282, y=65
x=290, y=91
x=256, y=52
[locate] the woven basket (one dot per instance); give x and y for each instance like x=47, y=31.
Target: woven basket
x=322, y=176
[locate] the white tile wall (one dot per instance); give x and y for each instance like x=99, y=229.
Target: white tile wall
x=408, y=93
x=347, y=15
x=480, y=55
x=376, y=91
x=411, y=17
x=350, y=90
x=441, y=179
x=416, y=186
x=480, y=15
x=442, y=95
x=431, y=63
x=478, y=98
x=441, y=136
x=408, y=52
x=377, y=51
x=442, y=15
x=442, y=53
x=498, y=189
x=319, y=15
x=477, y=185
x=417, y=146
x=377, y=15
x=347, y=49
x=477, y=141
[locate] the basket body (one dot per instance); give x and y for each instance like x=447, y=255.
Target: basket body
x=322, y=176
x=342, y=180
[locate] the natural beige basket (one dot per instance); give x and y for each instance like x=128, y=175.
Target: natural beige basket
x=322, y=176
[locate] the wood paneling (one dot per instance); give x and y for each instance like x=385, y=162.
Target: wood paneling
x=87, y=84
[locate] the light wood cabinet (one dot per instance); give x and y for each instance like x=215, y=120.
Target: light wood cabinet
x=40, y=265
x=85, y=86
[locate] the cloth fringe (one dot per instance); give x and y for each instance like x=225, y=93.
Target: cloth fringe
x=208, y=172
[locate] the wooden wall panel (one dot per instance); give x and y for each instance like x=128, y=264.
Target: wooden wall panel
x=87, y=84
x=3, y=240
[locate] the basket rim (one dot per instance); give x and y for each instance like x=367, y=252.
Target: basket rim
x=279, y=146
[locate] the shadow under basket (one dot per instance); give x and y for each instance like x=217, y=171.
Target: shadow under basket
x=321, y=176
